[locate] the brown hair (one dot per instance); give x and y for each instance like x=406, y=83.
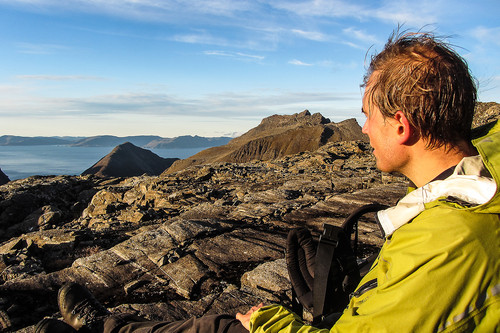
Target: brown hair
x=429, y=82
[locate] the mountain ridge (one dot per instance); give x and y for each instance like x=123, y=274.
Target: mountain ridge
x=146, y=141
x=277, y=136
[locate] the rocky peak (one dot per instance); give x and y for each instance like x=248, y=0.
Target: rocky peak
x=302, y=118
x=276, y=124
x=277, y=136
x=128, y=160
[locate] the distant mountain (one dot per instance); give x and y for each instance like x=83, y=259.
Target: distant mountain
x=188, y=141
x=111, y=141
x=277, y=136
x=13, y=140
x=3, y=178
x=146, y=141
x=128, y=160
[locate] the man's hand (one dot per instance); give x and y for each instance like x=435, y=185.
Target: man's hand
x=245, y=318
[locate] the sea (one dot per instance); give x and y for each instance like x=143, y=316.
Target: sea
x=19, y=162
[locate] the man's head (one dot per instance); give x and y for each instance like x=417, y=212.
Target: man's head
x=429, y=83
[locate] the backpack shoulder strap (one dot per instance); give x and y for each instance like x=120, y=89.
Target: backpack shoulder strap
x=327, y=246
x=324, y=273
x=336, y=272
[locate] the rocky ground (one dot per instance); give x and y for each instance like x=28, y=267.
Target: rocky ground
x=208, y=239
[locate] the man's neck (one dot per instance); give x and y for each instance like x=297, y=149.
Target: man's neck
x=428, y=164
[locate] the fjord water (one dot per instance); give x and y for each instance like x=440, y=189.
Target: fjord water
x=19, y=162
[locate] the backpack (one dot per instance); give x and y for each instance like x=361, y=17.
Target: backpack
x=324, y=273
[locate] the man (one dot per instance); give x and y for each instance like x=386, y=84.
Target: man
x=438, y=270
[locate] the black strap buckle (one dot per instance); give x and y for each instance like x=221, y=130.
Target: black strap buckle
x=330, y=235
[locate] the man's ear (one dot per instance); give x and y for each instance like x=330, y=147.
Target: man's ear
x=404, y=130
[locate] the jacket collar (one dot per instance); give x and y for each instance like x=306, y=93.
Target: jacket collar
x=470, y=174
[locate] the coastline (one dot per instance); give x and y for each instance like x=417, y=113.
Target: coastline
x=19, y=162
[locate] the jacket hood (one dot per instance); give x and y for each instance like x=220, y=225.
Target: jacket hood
x=474, y=181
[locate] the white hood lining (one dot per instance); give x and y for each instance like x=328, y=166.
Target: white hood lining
x=469, y=182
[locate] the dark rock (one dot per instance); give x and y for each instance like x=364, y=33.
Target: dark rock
x=46, y=217
x=3, y=178
x=65, y=195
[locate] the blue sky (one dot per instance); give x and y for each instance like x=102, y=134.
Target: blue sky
x=210, y=67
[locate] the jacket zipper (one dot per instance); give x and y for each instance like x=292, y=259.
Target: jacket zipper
x=369, y=285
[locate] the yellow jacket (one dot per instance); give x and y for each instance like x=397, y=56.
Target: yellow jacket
x=438, y=270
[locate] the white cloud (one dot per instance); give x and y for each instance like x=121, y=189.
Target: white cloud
x=328, y=8
x=312, y=35
x=487, y=35
x=413, y=13
x=299, y=63
x=360, y=35
x=6, y=89
x=417, y=13
x=250, y=56
x=164, y=10
x=214, y=105
x=246, y=12
x=354, y=45
x=251, y=25
x=38, y=48
x=61, y=77
x=218, y=53
x=256, y=42
x=219, y=7
x=235, y=55
x=326, y=64
x=200, y=38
